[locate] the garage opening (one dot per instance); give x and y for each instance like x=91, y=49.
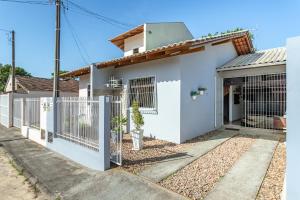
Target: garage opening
x=256, y=101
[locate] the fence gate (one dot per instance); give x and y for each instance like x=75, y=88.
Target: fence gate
x=116, y=130
x=17, y=112
x=265, y=101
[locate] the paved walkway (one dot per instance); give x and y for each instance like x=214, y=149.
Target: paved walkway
x=244, y=179
x=56, y=174
x=13, y=184
x=164, y=169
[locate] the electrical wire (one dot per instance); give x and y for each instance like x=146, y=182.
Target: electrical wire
x=5, y=30
x=28, y=2
x=103, y=18
x=76, y=39
x=74, y=7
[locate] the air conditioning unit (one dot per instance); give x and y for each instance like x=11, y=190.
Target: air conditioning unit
x=114, y=83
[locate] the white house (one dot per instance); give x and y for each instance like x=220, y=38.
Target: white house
x=181, y=83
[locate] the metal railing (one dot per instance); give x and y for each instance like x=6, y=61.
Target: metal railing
x=117, y=124
x=32, y=112
x=265, y=101
x=4, y=109
x=78, y=121
x=17, y=112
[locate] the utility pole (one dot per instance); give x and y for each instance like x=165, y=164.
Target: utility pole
x=57, y=65
x=13, y=62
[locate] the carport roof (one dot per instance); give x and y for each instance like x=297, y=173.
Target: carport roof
x=276, y=56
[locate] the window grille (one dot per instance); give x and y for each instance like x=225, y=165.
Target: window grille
x=143, y=91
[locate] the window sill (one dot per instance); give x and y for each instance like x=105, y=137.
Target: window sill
x=146, y=110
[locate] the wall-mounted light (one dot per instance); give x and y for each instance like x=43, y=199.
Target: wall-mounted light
x=199, y=92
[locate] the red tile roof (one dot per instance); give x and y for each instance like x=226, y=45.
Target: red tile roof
x=44, y=84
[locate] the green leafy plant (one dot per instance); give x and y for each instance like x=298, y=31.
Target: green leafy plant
x=5, y=71
x=194, y=93
x=137, y=117
x=118, y=122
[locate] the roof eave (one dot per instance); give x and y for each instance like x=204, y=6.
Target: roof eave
x=250, y=66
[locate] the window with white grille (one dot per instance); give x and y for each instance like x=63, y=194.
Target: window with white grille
x=143, y=91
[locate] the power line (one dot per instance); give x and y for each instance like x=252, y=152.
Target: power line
x=5, y=30
x=74, y=7
x=76, y=39
x=28, y=2
x=103, y=18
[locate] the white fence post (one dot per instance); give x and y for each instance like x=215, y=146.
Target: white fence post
x=104, y=132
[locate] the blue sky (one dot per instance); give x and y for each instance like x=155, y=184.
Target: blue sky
x=272, y=21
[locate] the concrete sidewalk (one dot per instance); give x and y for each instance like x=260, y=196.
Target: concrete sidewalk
x=57, y=175
x=168, y=167
x=246, y=176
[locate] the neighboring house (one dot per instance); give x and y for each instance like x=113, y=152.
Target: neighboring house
x=180, y=82
x=41, y=87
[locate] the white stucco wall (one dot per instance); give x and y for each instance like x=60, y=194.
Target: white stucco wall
x=161, y=34
x=199, y=70
x=164, y=122
x=293, y=110
x=84, y=81
x=177, y=117
x=101, y=77
x=136, y=41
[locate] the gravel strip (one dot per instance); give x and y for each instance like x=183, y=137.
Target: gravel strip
x=154, y=151
x=273, y=183
x=198, y=178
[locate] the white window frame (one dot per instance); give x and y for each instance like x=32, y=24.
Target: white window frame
x=144, y=109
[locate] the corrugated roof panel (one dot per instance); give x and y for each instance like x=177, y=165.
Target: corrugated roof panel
x=269, y=56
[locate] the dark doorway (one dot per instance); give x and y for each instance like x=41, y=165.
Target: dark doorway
x=226, y=104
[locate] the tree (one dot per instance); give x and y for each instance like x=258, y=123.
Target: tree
x=60, y=72
x=5, y=71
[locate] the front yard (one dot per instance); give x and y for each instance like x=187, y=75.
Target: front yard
x=154, y=151
x=198, y=178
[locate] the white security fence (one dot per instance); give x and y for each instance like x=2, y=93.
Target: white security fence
x=5, y=110
x=89, y=131
x=32, y=112
x=116, y=129
x=265, y=101
x=17, y=112
x=78, y=121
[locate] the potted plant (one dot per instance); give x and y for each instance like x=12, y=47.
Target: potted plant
x=194, y=94
x=137, y=133
x=118, y=122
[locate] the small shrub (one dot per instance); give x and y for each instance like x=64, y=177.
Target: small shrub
x=137, y=117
